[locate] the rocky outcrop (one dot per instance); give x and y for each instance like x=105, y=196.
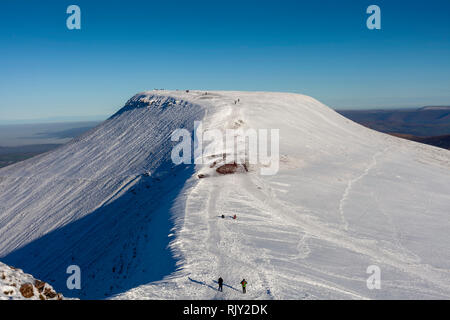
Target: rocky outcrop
x=17, y=285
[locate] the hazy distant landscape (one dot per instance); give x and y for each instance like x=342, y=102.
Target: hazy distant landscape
x=10, y=155
x=19, y=142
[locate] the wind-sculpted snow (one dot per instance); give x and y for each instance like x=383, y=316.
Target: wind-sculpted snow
x=344, y=198
x=99, y=202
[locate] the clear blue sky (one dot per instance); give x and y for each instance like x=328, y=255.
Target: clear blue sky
x=319, y=48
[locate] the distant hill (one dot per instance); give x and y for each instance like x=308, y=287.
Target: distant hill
x=437, y=141
x=435, y=108
x=430, y=124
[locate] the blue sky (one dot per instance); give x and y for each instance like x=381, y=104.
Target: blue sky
x=319, y=48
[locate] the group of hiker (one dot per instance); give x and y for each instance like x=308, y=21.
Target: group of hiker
x=243, y=284
x=234, y=217
x=220, y=281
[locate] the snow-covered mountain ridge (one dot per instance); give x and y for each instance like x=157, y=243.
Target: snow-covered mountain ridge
x=345, y=198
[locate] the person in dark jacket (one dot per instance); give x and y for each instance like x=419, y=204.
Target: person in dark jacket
x=244, y=285
x=220, y=284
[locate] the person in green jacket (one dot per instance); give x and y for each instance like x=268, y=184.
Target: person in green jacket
x=244, y=285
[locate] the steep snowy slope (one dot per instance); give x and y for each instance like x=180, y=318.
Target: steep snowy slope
x=345, y=198
x=99, y=202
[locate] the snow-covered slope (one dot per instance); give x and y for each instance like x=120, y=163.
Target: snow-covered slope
x=345, y=198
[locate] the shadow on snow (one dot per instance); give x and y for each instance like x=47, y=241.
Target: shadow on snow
x=119, y=246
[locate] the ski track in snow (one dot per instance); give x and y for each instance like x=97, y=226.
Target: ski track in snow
x=350, y=184
x=308, y=232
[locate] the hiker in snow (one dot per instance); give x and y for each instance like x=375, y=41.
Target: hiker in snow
x=220, y=284
x=234, y=217
x=244, y=284
x=223, y=216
